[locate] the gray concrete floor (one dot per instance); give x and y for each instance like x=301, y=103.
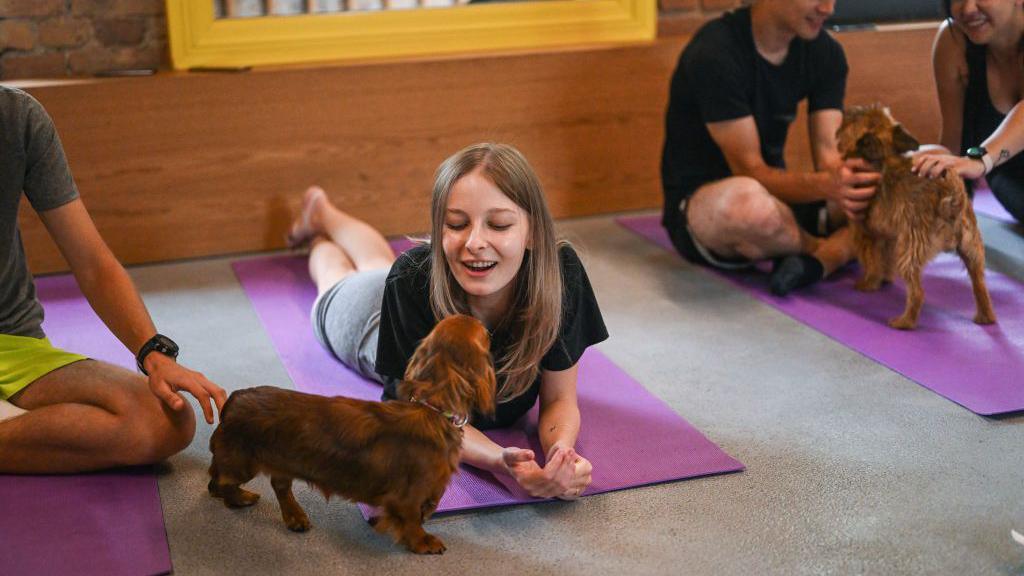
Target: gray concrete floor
x=851, y=468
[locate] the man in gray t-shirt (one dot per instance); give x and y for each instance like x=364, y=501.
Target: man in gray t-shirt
x=80, y=414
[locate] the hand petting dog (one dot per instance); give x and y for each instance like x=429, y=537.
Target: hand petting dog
x=933, y=163
x=855, y=182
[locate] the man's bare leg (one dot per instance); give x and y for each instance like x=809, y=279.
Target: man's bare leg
x=738, y=218
x=90, y=415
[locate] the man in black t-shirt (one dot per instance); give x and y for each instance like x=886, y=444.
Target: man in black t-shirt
x=729, y=199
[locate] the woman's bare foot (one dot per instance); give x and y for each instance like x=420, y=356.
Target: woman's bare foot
x=304, y=227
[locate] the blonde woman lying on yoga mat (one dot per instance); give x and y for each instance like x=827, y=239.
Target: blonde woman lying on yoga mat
x=493, y=255
x=61, y=412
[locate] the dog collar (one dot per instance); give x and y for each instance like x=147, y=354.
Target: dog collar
x=457, y=420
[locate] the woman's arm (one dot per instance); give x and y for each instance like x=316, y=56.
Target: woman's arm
x=951, y=76
x=565, y=474
x=949, y=66
x=556, y=479
x=559, y=425
x=112, y=295
x=559, y=422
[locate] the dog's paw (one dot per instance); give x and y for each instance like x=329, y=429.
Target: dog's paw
x=867, y=285
x=241, y=498
x=983, y=319
x=298, y=523
x=429, y=544
x=902, y=323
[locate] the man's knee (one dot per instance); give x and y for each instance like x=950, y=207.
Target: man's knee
x=155, y=431
x=749, y=207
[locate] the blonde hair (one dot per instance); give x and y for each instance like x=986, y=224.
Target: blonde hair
x=536, y=315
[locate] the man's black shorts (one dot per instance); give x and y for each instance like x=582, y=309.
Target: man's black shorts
x=808, y=216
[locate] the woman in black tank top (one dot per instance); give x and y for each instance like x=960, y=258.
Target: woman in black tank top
x=987, y=141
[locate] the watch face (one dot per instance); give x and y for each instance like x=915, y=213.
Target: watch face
x=976, y=152
x=166, y=346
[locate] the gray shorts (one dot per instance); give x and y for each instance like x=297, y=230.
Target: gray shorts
x=346, y=320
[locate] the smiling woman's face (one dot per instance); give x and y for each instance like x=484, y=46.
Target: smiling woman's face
x=980, y=20
x=485, y=237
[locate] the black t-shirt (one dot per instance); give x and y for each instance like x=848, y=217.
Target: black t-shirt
x=721, y=76
x=406, y=318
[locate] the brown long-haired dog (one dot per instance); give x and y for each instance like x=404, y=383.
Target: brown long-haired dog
x=910, y=219
x=396, y=455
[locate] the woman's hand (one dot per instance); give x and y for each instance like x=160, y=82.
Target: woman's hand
x=565, y=475
x=582, y=469
x=932, y=165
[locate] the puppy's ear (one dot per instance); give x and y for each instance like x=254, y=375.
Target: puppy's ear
x=406, y=389
x=486, y=388
x=421, y=365
x=870, y=147
x=902, y=141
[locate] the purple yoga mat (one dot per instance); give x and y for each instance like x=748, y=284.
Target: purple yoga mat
x=631, y=437
x=978, y=367
x=101, y=524
x=985, y=203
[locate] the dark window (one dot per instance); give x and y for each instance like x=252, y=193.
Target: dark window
x=878, y=11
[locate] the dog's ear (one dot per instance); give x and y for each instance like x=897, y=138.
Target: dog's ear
x=406, y=389
x=486, y=388
x=421, y=365
x=902, y=141
x=870, y=147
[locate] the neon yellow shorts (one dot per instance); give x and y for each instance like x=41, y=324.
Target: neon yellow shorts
x=23, y=360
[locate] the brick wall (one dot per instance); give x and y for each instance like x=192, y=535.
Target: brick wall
x=54, y=38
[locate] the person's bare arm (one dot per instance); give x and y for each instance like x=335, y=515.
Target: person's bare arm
x=113, y=296
x=740, y=143
x=844, y=183
x=949, y=66
x=822, y=126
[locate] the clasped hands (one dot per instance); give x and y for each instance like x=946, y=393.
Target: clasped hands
x=565, y=473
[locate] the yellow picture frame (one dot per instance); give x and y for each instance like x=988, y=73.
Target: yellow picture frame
x=197, y=39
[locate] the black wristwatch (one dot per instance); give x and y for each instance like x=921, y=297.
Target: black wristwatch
x=158, y=343
x=980, y=153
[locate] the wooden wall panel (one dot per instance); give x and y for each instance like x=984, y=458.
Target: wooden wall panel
x=179, y=166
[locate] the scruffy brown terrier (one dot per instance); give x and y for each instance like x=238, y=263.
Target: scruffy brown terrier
x=396, y=455
x=910, y=219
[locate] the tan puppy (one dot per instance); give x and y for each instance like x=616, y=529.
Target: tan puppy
x=910, y=219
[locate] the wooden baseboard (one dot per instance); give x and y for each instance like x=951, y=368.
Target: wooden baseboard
x=186, y=165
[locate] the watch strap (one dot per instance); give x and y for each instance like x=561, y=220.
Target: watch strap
x=988, y=162
x=158, y=343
